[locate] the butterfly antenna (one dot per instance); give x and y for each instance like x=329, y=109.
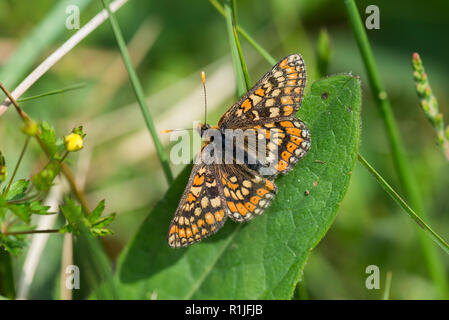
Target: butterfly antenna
x=203, y=80
x=171, y=130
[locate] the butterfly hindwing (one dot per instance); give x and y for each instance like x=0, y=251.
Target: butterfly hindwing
x=246, y=193
x=200, y=212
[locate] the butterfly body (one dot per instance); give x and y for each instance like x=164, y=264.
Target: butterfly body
x=257, y=139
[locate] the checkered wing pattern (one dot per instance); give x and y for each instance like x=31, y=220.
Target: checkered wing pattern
x=246, y=193
x=201, y=211
x=277, y=96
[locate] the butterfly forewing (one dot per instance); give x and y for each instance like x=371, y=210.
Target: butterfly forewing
x=278, y=95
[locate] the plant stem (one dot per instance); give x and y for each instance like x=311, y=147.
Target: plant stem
x=138, y=90
x=241, y=85
x=245, y=35
x=405, y=174
x=239, y=48
x=386, y=295
x=424, y=226
x=50, y=93
x=17, y=165
x=31, y=232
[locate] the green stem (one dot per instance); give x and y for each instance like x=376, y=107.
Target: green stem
x=239, y=48
x=424, y=226
x=16, y=233
x=17, y=165
x=245, y=35
x=50, y=93
x=405, y=174
x=138, y=90
x=241, y=85
x=386, y=295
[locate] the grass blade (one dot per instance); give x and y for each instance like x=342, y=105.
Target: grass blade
x=138, y=90
x=424, y=226
x=50, y=93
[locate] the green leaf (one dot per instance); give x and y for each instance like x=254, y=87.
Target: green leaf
x=17, y=190
x=36, y=207
x=96, y=213
x=21, y=211
x=103, y=222
x=262, y=259
x=48, y=137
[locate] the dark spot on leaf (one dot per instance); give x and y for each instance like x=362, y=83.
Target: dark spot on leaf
x=324, y=95
x=307, y=192
x=349, y=109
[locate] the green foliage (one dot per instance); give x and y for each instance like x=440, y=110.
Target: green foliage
x=43, y=180
x=94, y=223
x=262, y=259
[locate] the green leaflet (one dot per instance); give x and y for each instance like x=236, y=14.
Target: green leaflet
x=262, y=259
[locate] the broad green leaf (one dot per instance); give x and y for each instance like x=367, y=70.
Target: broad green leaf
x=262, y=259
x=17, y=190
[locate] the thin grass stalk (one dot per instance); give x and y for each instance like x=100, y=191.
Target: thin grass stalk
x=138, y=90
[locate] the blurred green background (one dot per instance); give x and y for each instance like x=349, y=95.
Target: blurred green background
x=171, y=42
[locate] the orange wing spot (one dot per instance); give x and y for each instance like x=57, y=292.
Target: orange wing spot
x=287, y=90
x=281, y=166
x=188, y=232
x=288, y=110
x=200, y=223
x=294, y=131
x=182, y=233
x=219, y=215
x=261, y=192
x=286, y=155
x=231, y=206
x=198, y=180
x=197, y=237
x=286, y=124
x=232, y=185
x=191, y=198
x=260, y=92
x=291, y=83
x=269, y=185
x=246, y=105
x=284, y=64
x=209, y=218
x=290, y=70
x=257, y=127
x=286, y=100
x=292, y=76
x=204, y=231
x=194, y=228
x=254, y=200
x=291, y=147
x=172, y=229
x=298, y=90
x=250, y=206
x=243, y=211
x=296, y=140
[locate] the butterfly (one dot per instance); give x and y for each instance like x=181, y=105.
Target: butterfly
x=242, y=190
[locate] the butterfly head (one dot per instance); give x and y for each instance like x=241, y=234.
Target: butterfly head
x=203, y=130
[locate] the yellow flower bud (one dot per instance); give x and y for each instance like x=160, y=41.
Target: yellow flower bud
x=73, y=142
